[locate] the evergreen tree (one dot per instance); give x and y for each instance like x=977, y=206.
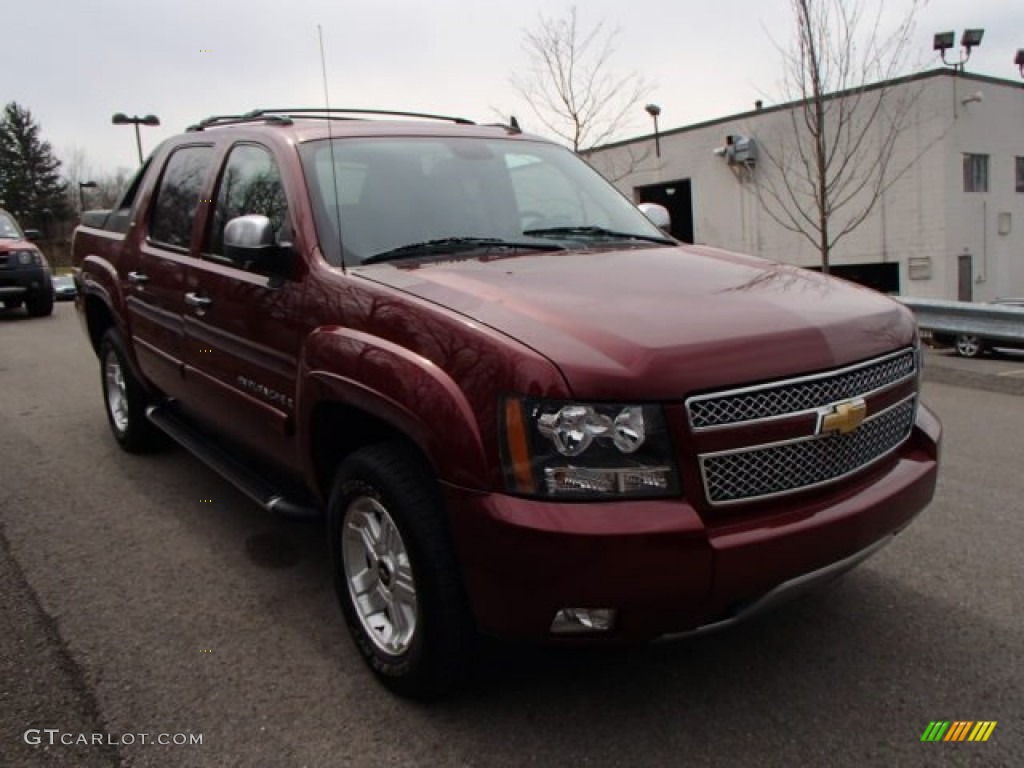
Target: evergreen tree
x=31, y=187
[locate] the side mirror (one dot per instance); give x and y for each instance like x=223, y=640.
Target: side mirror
x=249, y=241
x=33, y=234
x=657, y=214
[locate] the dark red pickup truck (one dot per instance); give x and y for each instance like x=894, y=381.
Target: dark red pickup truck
x=523, y=408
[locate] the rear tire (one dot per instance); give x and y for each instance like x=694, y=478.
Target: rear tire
x=124, y=398
x=395, y=571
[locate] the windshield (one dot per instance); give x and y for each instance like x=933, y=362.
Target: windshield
x=397, y=194
x=9, y=228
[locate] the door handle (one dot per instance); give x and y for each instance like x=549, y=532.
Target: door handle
x=195, y=300
x=138, y=277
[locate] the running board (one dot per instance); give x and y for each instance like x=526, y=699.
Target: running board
x=245, y=479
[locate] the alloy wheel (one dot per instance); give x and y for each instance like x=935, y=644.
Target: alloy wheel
x=379, y=575
x=968, y=345
x=117, y=398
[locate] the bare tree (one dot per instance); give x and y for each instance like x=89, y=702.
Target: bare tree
x=110, y=187
x=76, y=170
x=824, y=176
x=107, y=187
x=569, y=83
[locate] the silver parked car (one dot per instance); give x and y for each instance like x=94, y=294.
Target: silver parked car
x=64, y=288
x=972, y=345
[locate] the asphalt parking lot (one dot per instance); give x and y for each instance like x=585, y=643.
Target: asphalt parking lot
x=144, y=595
x=999, y=372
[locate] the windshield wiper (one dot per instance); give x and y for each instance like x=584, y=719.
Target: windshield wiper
x=456, y=245
x=596, y=232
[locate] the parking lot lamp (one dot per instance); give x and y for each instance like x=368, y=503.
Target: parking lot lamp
x=121, y=118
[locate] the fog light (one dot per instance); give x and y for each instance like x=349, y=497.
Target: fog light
x=570, y=621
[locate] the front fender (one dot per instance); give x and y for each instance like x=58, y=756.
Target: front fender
x=400, y=388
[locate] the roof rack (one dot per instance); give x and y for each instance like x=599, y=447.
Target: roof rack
x=285, y=116
x=511, y=127
x=218, y=120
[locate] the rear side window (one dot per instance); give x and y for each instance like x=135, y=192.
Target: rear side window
x=178, y=198
x=127, y=199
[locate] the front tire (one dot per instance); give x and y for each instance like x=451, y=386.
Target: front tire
x=124, y=399
x=395, y=571
x=41, y=304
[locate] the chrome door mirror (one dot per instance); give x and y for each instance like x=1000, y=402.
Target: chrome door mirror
x=657, y=214
x=249, y=241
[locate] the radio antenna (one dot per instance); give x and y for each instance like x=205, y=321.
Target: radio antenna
x=330, y=142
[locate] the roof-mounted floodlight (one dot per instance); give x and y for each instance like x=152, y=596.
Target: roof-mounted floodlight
x=971, y=38
x=943, y=41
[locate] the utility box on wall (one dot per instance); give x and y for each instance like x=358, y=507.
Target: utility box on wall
x=739, y=150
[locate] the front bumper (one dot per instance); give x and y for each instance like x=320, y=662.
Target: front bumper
x=24, y=282
x=660, y=565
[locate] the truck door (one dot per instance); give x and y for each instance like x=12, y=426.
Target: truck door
x=156, y=282
x=243, y=325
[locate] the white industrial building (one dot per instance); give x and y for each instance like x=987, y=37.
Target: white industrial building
x=950, y=226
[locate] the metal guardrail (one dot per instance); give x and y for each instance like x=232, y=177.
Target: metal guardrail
x=995, y=322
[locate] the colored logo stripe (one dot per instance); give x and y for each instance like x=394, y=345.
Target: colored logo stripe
x=958, y=730
x=982, y=731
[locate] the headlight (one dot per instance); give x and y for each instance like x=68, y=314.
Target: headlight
x=29, y=257
x=553, y=448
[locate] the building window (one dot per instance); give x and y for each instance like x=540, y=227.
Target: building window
x=975, y=173
x=1020, y=174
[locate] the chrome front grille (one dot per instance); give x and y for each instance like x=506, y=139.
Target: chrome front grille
x=783, y=398
x=770, y=470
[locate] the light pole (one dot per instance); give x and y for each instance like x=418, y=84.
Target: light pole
x=122, y=119
x=654, y=110
x=943, y=41
x=82, y=186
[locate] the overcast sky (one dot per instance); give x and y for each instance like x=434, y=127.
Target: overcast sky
x=74, y=63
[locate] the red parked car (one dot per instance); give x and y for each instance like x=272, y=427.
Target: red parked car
x=525, y=410
x=24, y=271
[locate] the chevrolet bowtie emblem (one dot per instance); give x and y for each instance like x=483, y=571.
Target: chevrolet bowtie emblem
x=844, y=417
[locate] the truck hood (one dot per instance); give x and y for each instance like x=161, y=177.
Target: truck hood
x=662, y=322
